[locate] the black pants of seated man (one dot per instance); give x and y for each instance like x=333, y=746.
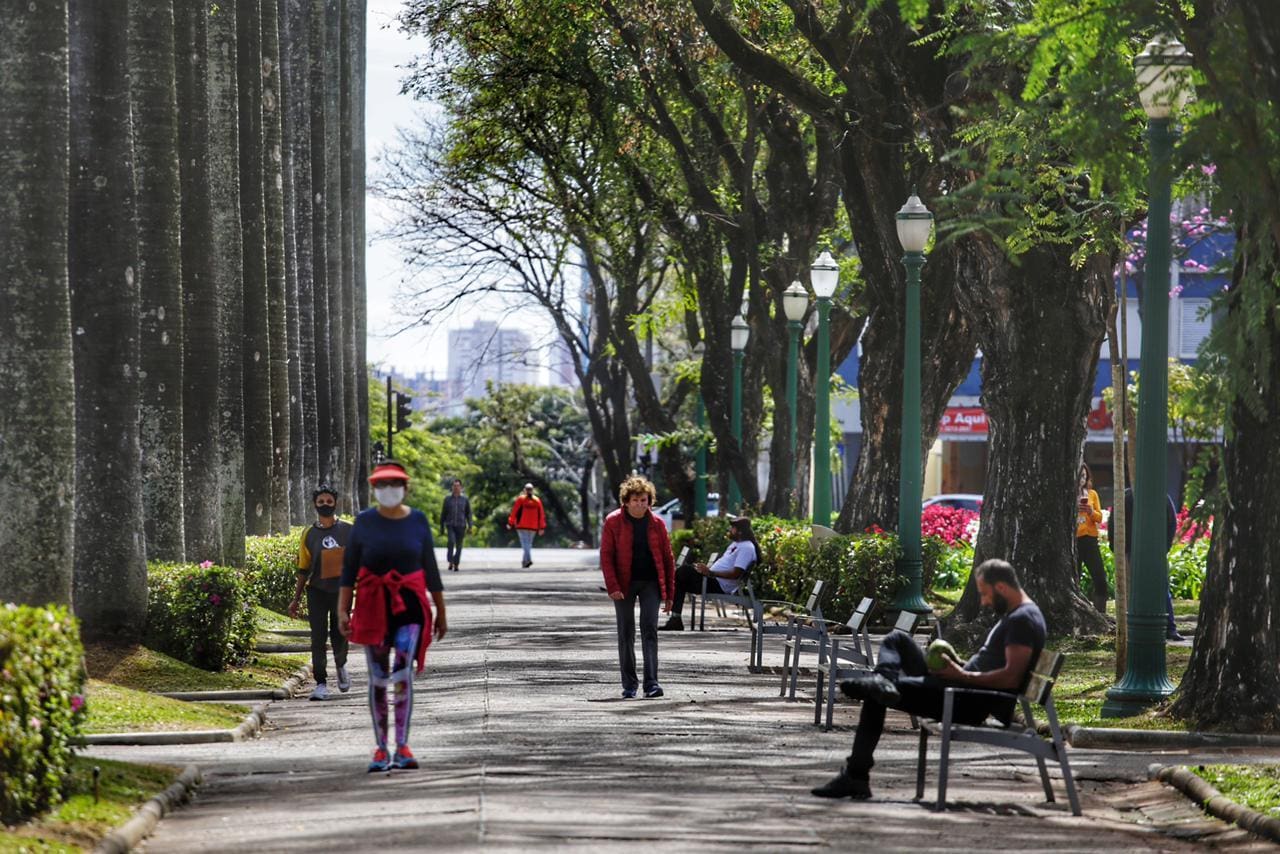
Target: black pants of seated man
x=902, y=662
x=689, y=580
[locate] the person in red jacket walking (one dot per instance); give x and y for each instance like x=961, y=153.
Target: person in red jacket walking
x=527, y=518
x=636, y=559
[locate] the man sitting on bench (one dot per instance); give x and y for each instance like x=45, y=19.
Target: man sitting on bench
x=724, y=576
x=902, y=680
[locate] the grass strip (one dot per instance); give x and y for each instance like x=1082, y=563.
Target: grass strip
x=145, y=669
x=114, y=708
x=1254, y=786
x=81, y=820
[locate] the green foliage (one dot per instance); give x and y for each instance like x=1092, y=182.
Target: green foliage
x=1254, y=786
x=114, y=708
x=271, y=567
x=951, y=564
x=1187, y=562
x=202, y=615
x=41, y=706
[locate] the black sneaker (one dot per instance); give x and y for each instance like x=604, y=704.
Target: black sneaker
x=628, y=693
x=870, y=686
x=1174, y=636
x=653, y=693
x=844, y=786
x=675, y=624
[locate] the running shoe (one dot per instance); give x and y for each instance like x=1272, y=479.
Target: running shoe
x=404, y=758
x=320, y=692
x=380, y=761
x=344, y=679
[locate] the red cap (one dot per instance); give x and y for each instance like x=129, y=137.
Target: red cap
x=388, y=473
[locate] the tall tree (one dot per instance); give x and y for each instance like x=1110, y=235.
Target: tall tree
x=202, y=505
x=359, y=50
x=282, y=337
x=295, y=69
x=37, y=436
x=348, y=93
x=322, y=352
x=110, y=583
x=335, y=213
x=154, y=102
x=227, y=250
x=258, y=456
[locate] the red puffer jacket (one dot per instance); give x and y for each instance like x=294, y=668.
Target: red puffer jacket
x=615, y=554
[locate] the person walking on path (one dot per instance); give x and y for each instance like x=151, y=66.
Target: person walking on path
x=1170, y=531
x=455, y=519
x=636, y=559
x=726, y=575
x=390, y=566
x=902, y=680
x=320, y=557
x=1088, y=515
x=527, y=519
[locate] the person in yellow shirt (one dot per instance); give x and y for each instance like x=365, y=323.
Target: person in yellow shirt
x=1088, y=515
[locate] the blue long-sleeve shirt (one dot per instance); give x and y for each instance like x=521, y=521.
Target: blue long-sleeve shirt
x=381, y=545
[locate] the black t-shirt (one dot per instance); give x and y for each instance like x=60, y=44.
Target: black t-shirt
x=1023, y=626
x=642, y=566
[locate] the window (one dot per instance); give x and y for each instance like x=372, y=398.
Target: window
x=1194, y=323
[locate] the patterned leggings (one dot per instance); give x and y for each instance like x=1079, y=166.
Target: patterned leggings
x=381, y=676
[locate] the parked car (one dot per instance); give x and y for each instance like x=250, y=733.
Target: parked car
x=671, y=511
x=962, y=500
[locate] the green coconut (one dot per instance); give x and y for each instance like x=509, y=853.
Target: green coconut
x=939, y=653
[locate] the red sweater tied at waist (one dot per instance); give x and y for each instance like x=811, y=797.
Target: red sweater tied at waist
x=369, y=619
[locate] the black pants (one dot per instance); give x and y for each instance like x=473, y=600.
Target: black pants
x=453, y=551
x=1088, y=555
x=322, y=613
x=625, y=608
x=689, y=580
x=902, y=662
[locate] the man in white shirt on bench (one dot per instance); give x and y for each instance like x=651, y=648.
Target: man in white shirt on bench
x=726, y=575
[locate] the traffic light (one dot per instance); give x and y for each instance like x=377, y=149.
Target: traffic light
x=403, y=411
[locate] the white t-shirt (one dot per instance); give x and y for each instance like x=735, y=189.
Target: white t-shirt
x=739, y=555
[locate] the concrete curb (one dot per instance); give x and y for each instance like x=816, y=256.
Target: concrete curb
x=133, y=831
x=1214, y=802
x=286, y=690
x=246, y=728
x=1099, y=737
x=282, y=647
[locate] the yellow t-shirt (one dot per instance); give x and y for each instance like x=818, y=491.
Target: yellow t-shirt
x=1087, y=520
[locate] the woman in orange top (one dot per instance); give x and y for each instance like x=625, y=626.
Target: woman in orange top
x=1088, y=515
x=527, y=518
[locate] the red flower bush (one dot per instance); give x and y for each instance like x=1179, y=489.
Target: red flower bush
x=950, y=524
x=1189, y=530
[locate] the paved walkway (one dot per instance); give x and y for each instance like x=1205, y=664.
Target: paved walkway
x=526, y=745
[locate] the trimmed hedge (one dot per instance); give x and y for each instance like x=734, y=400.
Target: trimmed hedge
x=41, y=706
x=271, y=563
x=201, y=614
x=853, y=566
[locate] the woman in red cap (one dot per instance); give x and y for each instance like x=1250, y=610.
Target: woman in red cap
x=390, y=565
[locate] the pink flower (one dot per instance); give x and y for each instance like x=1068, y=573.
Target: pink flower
x=1208, y=169
x=206, y=564
x=77, y=702
x=215, y=598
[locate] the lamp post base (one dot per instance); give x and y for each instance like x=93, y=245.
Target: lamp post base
x=910, y=597
x=1145, y=682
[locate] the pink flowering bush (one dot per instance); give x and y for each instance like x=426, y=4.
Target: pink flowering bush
x=950, y=524
x=201, y=614
x=41, y=706
x=1191, y=531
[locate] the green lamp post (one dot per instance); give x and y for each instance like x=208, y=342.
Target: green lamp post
x=700, y=456
x=795, y=300
x=825, y=275
x=1163, y=70
x=738, y=334
x=914, y=225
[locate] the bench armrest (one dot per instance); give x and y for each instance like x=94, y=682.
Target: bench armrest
x=979, y=692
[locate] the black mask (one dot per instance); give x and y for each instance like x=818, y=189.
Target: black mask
x=324, y=511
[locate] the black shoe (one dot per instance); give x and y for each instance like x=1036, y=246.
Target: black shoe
x=870, y=686
x=1173, y=636
x=653, y=693
x=844, y=786
x=628, y=693
x=525, y=564
x=675, y=624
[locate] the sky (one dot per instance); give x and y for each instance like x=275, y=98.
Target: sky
x=419, y=349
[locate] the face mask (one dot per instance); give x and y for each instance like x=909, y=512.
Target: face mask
x=325, y=510
x=389, y=496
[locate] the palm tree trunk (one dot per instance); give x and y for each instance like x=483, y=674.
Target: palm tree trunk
x=277, y=285
x=360, y=370
x=257, y=330
x=351, y=370
x=202, y=509
x=36, y=370
x=320, y=247
x=110, y=582
x=226, y=241
x=334, y=279
x=295, y=66
x=159, y=204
